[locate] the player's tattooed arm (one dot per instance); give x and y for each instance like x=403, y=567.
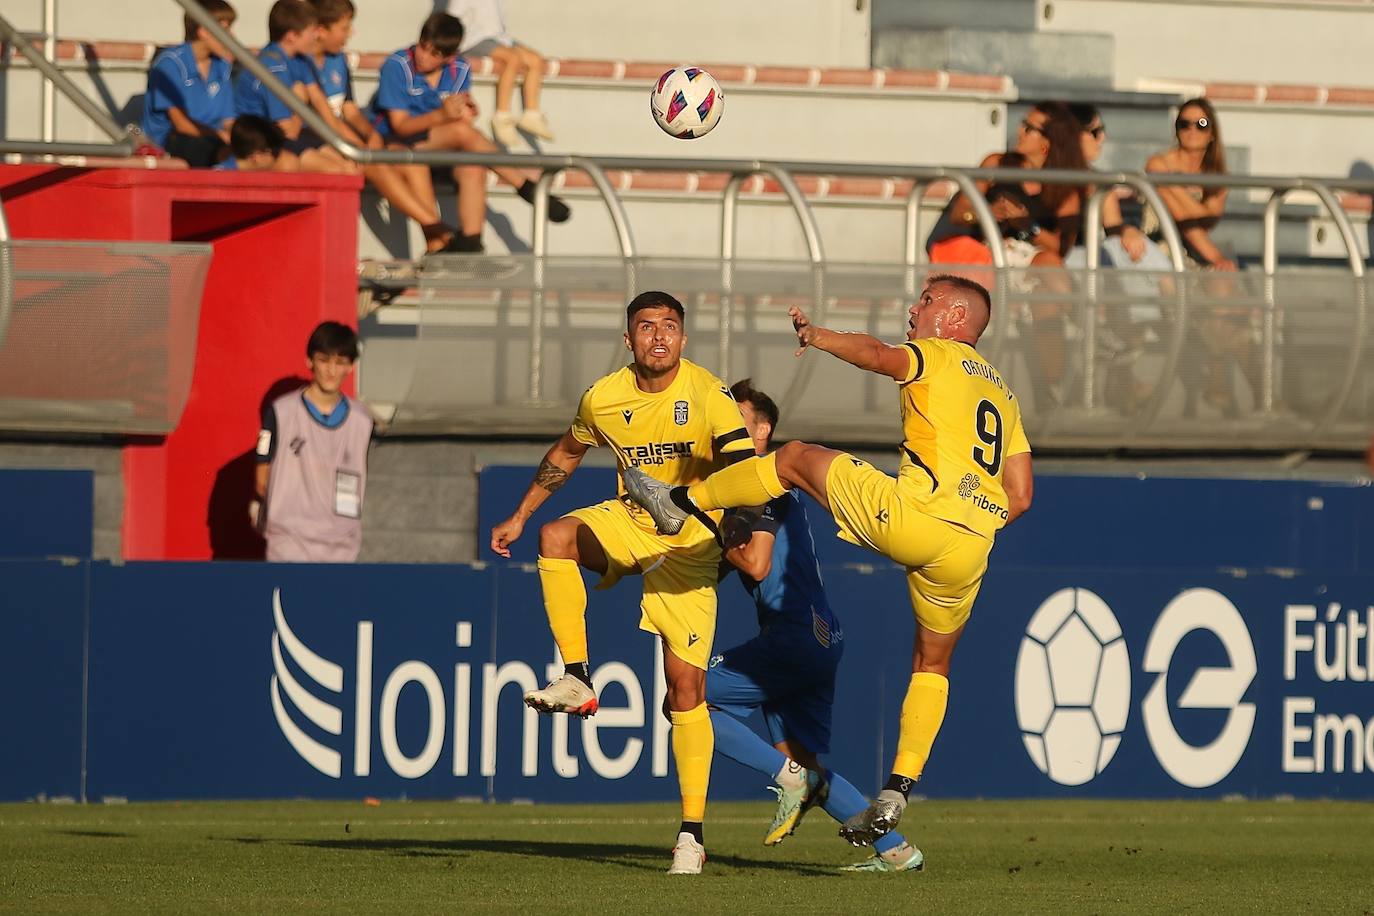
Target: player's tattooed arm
x=550, y=476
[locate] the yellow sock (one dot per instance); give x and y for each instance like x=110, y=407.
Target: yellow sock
x=751, y=482
x=565, y=601
x=693, y=743
x=922, y=712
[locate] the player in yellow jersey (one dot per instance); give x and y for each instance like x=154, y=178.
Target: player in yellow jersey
x=678, y=423
x=965, y=472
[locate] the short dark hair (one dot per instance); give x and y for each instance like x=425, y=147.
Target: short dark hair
x=965, y=284
x=328, y=12
x=653, y=299
x=333, y=339
x=744, y=390
x=252, y=134
x=442, y=32
x=287, y=16
x=220, y=9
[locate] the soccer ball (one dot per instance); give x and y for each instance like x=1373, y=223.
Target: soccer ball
x=687, y=102
x=1073, y=686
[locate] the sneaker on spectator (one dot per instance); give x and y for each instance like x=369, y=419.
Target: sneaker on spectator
x=503, y=129
x=532, y=121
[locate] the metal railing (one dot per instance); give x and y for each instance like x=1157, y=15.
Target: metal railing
x=784, y=173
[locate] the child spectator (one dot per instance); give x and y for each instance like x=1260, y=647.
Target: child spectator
x=312, y=459
x=331, y=95
x=190, y=100
x=291, y=33
x=423, y=102
x=484, y=23
x=254, y=145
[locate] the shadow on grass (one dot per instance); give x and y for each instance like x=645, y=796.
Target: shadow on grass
x=97, y=834
x=647, y=858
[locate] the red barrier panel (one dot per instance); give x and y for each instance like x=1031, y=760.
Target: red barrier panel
x=285, y=254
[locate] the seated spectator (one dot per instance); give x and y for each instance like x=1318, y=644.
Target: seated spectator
x=1044, y=222
x=254, y=145
x=423, y=102
x=1198, y=150
x=312, y=459
x=484, y=25
x=1227, y=332
x=291, y=33
x=190, y=100
x=331, y=95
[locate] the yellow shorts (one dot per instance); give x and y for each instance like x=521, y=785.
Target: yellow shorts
x=680, y=575
x=944, y=562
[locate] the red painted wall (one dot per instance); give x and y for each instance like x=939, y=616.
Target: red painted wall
x=284, y=259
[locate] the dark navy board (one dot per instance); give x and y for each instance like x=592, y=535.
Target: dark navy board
x=46, y=513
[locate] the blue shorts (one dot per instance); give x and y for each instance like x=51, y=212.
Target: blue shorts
x=788, y=674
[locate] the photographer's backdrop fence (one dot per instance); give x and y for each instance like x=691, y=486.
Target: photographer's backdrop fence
x=1134, y=638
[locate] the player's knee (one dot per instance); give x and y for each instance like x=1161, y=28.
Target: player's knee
x=558, y=540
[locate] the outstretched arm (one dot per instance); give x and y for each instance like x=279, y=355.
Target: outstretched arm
x=854, y=347
x=558, y=464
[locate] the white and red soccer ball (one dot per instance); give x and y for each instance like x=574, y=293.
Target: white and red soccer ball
x=687, y=102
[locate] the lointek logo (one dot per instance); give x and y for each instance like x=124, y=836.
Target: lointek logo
x=324, y=673
x=468, y=703
x=1210, y=688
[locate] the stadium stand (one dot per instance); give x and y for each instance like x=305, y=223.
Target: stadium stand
x=942, y=91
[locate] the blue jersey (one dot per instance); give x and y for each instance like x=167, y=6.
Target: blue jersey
x=229, y=164
x=174, y=81
x=253, y=98
x=793, y=591
x=401, y=88
x=334, y=80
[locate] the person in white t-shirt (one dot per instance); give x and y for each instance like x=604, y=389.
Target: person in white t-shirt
x=484, y=26
x=312, y=459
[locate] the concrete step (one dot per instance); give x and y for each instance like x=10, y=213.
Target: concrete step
x=1002, y=15
x=1061, y=59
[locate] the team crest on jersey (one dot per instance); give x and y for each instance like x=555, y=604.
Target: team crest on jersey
x=970, y=483
x=680, y=413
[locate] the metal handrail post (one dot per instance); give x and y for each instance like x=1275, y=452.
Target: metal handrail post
x=620, y=221
x=55, y=77
x=1092, y=243
x=50, y=55
x=1357, y=268
x=811, y=233
x=1269, y=263
x=729, y=217
x=913, y=253
x=6, y=275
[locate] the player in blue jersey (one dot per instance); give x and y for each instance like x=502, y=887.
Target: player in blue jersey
x=291, y=32
x=189, y=105
x=424, y=102
x=788, y=670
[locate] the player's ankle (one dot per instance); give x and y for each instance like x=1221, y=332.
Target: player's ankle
x=693, y=829
x=791, y=776
x=900, y=784
x=580, y=670
x=682, y=500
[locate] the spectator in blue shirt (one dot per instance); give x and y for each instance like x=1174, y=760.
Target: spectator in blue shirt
x=331, y=95
x=254, y=145
x=291, y=33
x=423, y=102
x=190, y=100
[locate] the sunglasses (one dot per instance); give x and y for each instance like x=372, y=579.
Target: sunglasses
x=1027, y=126
x=1097, y=132
x=1199, y=124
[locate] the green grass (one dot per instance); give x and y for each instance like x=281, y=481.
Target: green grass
x=416, y=857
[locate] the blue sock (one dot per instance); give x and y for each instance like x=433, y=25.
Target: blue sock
x=741, y=744
x=846, y=801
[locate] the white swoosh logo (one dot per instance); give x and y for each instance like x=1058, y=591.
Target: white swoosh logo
x=321, y=671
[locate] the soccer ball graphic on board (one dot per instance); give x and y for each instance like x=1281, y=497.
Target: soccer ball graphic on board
x=1073, y=686
x=687, y=102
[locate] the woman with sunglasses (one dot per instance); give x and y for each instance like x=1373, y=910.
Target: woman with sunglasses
x=1227, y=332
x=1039, y=223
x=1198, y=150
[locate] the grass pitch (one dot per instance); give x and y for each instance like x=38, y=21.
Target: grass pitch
x=430, y=857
